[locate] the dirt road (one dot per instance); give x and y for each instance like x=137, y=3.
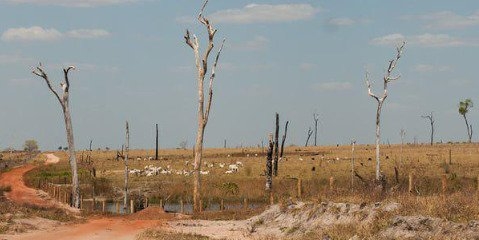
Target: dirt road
x=118, y=228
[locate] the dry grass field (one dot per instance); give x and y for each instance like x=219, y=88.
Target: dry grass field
x=457, y=165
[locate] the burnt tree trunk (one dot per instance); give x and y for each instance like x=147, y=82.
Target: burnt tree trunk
x=310, y=132
x=276, y=147
x=269, y=165
x=156, y=150
x=127, y=147
x=283, y=140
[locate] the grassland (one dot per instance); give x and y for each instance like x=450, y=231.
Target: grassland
x=457, y=163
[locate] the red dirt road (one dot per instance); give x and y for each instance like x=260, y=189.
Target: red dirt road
x=118, y=228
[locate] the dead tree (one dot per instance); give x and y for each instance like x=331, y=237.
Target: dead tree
x=380, y=100
x=316, y=119
x=353, y=143
x=276, y=147
x=403, y=134
x=310, y=132
x=64, y=102
x=269, y=165
x=283, y=140
x=156, y=144
x=203, y=111
x=430, y=117
x=127, y=147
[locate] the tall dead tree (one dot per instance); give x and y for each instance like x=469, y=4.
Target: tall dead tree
x=127, y=147
x=353, y=143
x=430, y=117
x=310, y=132
x=156, y=149
x=276, y=147
x=402, y=133
x=64, y=102
x=316, y=119
x=269, y=164
x=283, y=140
x=380, y=100
x=203, y=111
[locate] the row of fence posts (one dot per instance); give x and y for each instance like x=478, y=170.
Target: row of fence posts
x=64, y=195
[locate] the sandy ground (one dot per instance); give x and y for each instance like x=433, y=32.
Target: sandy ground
x=118, y=228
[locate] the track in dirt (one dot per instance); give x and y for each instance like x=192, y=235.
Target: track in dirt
x=117, y=228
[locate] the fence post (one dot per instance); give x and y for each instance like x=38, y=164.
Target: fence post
x=444, y=183
x=331, y=183
x=161, y=204
x=410, y=186
x=81, y=202
x=271, y=198
x=450, y=157
x=118, y=207
x=103, y=205
x=222, y=204
x=182, y=206
x=201, y=205
x=132, y=206
x=300, y=187
x=245, y=204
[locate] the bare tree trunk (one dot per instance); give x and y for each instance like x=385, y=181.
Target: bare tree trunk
x=203, y=111
x=156, y=151
x=276, y=143
x=310, y=132
x=91, y=141
x=64, y=102
x=402, y=133
x=269, y=165
x=380, y=100
x=283, y=140
x=378, y=140
x=431, y=121
x=469, y=129
x=353, y=143
x=71, y=154
x=127, y=147
x=316, y=119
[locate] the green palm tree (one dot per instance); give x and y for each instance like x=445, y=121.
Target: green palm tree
x=464, y=107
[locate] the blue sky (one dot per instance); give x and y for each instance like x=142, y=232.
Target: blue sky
x=291, y=57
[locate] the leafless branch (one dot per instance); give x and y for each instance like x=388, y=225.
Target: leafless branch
x=368, y=84
x=393, y=63
x=67, y=81
x=212, y=77
x=41, y=73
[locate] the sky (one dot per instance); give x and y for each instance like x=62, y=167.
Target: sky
x=292, y=57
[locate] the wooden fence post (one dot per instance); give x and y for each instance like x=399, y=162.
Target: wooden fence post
x=245, y=204
x=161, y=204
x=132, y=206
x=118, y=207
x=331, y=183
x=271, y=198
x=201, y=205
x=444, y=183
x=222, y=204
x=410, y=186
x=182, y=206
x=81, y=202
x=103, y=206
x=300, y=187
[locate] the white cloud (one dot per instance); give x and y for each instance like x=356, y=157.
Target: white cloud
x=424, y=40
x=88, y=33
x=394, y=38
x=307, y=66
x=257, y=43
x=34, y=33
x=72, y=3
x=340, y=22
x=427, y=68
x=15, y=58
x=37, y=33
x=333, y=86
x=448, y=20
x=265, y=13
